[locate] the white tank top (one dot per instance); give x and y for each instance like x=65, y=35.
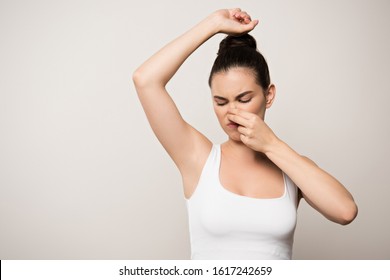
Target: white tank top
x=225, y=225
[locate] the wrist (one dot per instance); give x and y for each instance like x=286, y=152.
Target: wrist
x=275, y=145
x=213, y=23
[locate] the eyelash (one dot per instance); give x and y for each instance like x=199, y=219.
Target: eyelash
x=241, y=101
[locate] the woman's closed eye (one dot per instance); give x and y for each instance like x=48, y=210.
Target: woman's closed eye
x=244, y=100
x=220, y=102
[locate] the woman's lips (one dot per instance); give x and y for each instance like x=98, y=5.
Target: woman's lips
x=232, y=125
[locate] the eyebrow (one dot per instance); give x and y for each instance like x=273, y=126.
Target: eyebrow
x=237, y=97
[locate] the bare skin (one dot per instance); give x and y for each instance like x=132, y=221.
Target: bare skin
x=253, y=157
x=243, y=170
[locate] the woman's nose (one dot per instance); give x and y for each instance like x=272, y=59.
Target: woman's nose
x=232, y=105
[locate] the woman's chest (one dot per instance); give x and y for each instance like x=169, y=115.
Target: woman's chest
x=252, y=180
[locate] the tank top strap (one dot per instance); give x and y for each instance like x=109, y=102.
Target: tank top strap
x=213, y=162
x=291, y=189
x=209, y=176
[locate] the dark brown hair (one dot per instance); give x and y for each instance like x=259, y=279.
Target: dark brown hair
x=241, y=51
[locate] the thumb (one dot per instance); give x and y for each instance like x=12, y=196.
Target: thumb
x=251, y=25
x=243, y=28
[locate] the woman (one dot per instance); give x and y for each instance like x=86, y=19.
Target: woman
x=242, y=195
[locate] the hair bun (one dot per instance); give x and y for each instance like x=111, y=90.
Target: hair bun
x=243, y=41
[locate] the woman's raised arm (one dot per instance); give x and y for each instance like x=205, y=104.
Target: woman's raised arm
x=182, y=142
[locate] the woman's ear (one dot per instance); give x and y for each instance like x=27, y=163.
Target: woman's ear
x=270, y=95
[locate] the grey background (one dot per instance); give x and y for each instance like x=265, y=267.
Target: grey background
x=83, y=177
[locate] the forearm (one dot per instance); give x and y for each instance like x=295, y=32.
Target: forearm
x=160, y=68
x=320, y=189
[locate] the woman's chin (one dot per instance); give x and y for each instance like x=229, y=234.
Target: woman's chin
x=235, y=137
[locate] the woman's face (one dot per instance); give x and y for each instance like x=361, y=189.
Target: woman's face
x=237, y=88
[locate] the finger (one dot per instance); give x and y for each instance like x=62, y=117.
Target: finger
x=247, y=132
x=243, y=130
x=243, y=17
x=244, y=139
x=239, y=120
x=242, y=113
x=235, y=11
x=253, y=24
x=246, y=17
x=243, y=14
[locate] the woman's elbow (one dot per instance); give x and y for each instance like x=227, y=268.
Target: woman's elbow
x=144, y=80
x=348, y=214
x=138, y=78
